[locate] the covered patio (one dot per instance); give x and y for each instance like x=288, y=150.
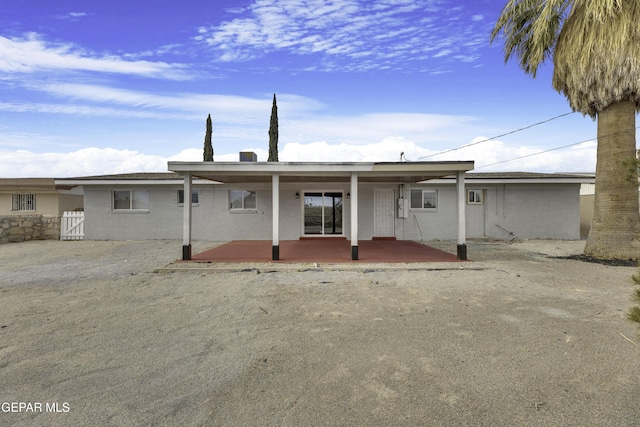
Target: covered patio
x=351, y=175
x=325, y=251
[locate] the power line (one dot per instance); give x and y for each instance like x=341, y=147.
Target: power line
x=546, y=151
x=499, y=136
x=613, y=98
x=532, y=154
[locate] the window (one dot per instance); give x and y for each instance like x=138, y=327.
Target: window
x=23, y=202
x=424, y=199
x=131, y=200
x=242, y=200
x=194, y=197
x=475, y=197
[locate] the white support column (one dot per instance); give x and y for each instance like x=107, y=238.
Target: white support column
x=462, y=224
x=186, y=218
x=354, y=216
x=275, y=202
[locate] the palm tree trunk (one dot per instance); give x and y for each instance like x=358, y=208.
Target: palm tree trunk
x=615, y=228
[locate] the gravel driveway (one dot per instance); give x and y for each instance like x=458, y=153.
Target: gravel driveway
x=117, y=333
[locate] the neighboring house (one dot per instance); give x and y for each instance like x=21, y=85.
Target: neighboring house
x=31, y=208
x=587, y=204
x=404, y=200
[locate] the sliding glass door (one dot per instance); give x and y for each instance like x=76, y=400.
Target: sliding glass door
x=322, y=213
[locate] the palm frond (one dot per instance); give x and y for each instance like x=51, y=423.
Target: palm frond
x=595, y=45
x=530, y=30
x=597, y=55
x=600, y=10
x=634, y=314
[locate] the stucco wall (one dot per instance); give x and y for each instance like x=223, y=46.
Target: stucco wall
x=70, y=202
x=5, y=204
x=522, y=211
x=163, y=220
x=212, y=219
x=511, y=211
x=46, y=204
x=534, y=212
x=432, y=224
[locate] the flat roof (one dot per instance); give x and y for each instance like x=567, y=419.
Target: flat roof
x=146, y=178
x=237, y=172
x=30, y=185
x=521, y=178
x=164, y=178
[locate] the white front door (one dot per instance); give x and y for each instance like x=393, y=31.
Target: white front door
x=383, y=212
x=475, y=218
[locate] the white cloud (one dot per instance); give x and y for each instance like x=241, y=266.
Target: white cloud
x=86, y=110
x=365, y=128
x=347, y=31
x=32, y=54
x=84, y=162
x=497, y=156
x=233, y=108
x=78, y=14
x=99, y=161
x=302, y=119
x=321, y=151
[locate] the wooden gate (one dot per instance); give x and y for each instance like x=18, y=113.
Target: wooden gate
x=72, y=227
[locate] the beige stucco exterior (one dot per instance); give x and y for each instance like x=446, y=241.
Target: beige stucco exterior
x=49, y=202
x=49, y=199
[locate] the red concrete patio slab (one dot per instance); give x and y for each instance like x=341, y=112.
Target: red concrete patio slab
x=325, y=250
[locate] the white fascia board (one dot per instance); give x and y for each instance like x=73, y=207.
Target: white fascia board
x=404, y=167
x=113, y=182
x=470, y=181
x=267, y=168
x=315, y=168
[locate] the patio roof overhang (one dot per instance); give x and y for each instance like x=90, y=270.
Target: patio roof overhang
x=354, y=173
x=240, y=172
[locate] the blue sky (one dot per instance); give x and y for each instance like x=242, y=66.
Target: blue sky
x=124, y=86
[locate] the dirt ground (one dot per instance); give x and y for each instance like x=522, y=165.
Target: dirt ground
x=116, y=333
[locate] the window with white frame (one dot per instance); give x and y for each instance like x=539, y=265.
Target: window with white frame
x=23, y=202
x=194, y=197
x=130, y=200
x=424, y=199
x=242, y=200
x=475, y=197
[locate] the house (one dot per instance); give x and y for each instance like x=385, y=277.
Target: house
x=517, y=205
x=30, y=208
x=355, y=201
x=142, y=206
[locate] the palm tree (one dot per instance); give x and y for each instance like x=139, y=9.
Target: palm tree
x=595, y=46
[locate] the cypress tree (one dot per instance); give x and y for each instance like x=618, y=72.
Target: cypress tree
x=208, y=148
x=273, y=132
